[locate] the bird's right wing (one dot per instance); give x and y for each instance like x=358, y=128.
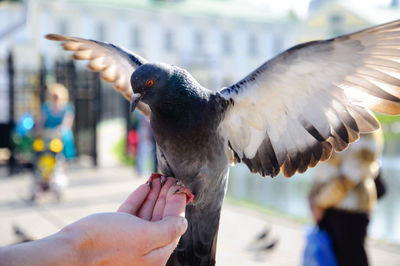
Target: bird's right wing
x=293, y=110
x=115, y=64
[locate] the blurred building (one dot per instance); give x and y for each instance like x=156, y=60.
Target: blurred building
x=330, y=18
x=218, y=41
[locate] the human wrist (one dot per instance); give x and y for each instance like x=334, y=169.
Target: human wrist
x=63, y=249
x=78, y=245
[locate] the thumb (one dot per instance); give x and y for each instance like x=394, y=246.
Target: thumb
x=167, y=230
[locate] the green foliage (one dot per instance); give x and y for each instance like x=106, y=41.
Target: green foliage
x=292, y=16
x=119, y=151
x=388, y=122
x=387, y=119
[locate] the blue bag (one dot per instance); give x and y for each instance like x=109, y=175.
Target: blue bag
x=318, y=250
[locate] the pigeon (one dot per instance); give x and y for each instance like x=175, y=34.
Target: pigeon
x=285, y=116
x=21, y=235
x=263, y=243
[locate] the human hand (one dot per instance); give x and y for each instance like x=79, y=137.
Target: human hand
x=144, y=231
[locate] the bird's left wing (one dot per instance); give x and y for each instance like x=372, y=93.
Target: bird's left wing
x=289, y=113
x=115, y=64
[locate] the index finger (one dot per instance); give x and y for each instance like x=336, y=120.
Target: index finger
x=135, y=200
x=146, y=210
x=162, y=198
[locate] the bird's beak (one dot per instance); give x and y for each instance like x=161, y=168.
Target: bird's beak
x=134, y=101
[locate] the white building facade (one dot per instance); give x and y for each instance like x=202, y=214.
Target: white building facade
x=219, y=42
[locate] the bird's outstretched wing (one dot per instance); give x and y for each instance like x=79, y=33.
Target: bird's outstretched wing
x=290, y=112
x=115, y=64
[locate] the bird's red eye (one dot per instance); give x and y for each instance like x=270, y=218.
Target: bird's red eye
x=150, y=83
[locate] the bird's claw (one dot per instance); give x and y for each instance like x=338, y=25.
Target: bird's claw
x=163, y=180
x=179, y=183
x=181, y=190
x=187, y=192
x=154, y=176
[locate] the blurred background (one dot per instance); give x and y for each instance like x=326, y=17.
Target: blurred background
x=218, y=42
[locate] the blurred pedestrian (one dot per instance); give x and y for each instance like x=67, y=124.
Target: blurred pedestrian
x=54, y=144
x=344, y=194
x=57, y=115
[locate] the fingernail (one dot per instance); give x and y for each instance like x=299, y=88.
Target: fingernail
x=163, y=180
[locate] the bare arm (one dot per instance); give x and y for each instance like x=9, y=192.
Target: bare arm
x=144, y=231
x=57, y=249
x=68, y=121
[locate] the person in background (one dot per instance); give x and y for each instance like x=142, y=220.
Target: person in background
x=344, y=194
x=54, y=122
x=57, y=115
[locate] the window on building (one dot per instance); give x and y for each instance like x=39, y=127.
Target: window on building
x=101, y=32
x=63, y=27
x=135, y=38
x=277, y=44
x=336, y=24
x=227, y=44
x=168, y=41
x=253, y=45
x=198, y=42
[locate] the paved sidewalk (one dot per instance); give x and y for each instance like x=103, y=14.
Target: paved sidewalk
x=100, y=190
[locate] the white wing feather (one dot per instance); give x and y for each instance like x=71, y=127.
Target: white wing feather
x=313, y=97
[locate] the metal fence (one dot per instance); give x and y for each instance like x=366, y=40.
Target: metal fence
x=6, y=110
x=20, y=93
x=84, y=90
x=23, y=91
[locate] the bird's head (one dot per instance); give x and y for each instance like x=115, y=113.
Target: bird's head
x=147, y=83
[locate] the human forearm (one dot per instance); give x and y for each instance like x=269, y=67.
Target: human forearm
x=68, y=121
x=144, y=231
x=58, y=249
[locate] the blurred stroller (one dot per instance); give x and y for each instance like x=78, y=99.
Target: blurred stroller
x=49, y=166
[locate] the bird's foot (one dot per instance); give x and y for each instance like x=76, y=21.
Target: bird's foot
x=187, y=192
x=179, y=183
x=154, y=176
